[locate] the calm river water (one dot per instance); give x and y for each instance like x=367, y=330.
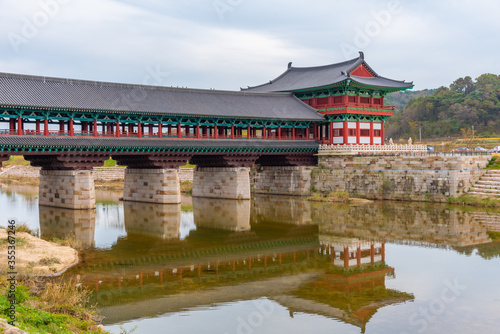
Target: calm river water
x=280, y=265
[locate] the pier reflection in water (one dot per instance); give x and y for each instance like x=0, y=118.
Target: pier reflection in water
x=320, y=260
x=59, y=223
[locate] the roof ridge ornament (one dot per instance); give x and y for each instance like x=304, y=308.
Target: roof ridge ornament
x=361, y=55
x=289, y=65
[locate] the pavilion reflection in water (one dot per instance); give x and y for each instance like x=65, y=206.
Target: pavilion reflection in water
x=321, y=259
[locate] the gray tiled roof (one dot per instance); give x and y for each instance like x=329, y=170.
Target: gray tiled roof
x=39, y=141
x=299, y=78
x=35, y=91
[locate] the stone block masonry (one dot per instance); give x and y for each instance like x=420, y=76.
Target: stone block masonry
x=405, y=162
x=152, y=186
x=118, y=173
x=222, y=182
x=404, y=177
x=414, y=185
x=283, y=181
x=71, y=189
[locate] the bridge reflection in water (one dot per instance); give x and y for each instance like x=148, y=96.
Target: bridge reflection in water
x=321, y=259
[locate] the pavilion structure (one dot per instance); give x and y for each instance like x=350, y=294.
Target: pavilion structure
x=69, y=126
x=350, y=95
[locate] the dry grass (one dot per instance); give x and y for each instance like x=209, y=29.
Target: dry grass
x=69, y=241
x=23, y=227
x=46, y=261
x=111, y=185
x=187, y=187
x=66, y=298
x=485, y=202
x=334, y=196
x=20, y=180
x=16, y=161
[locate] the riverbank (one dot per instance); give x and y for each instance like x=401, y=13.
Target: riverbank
x=35, y=256
x=43, y=306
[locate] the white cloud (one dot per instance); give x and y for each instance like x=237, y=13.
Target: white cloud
x=431, y=43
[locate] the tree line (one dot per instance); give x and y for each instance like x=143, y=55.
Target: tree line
x=448, y=111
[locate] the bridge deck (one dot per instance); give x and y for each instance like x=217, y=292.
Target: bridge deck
x=58, y=144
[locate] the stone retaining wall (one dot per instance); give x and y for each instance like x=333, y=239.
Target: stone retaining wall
x=118, y=173
x=283, y=181
x=396, y=185
x=403, y=177
x=405, y=162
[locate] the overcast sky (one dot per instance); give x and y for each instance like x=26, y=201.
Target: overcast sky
x=228, y=44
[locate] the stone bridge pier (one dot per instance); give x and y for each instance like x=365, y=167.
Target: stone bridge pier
x=160, y=186
x=228, y=176
x=66, y=180
x=222, y=182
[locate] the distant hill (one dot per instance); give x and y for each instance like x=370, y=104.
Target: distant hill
x=446, y=111
x=400, y=99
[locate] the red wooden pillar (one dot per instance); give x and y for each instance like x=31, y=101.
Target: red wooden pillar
x=197, y=131
x=179, y=132
x=264, y=133
x=117, y=131
x=307, y=133
x=346, y=257
x=139, y=130
x=169, y=130
x=345, y=133
x=46, y=126
x=382, y=251
x=12, y=125
x=232, y=131
x=357, y=132
x=382, y=132
x=216, y=135
x=61, y=127
x=19, y=125
x=330, y=127
x=70, y=128
x=315, y=131
x=371, y=133
x=358, y=256
x=37, y=126
x=279, y=132
x=94, y=127
x=160, y=130
x=293, y=133
x=248, y=132
x=150, y=130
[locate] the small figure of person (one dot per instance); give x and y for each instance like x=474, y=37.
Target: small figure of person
x=391, y=142
x=410, y=141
